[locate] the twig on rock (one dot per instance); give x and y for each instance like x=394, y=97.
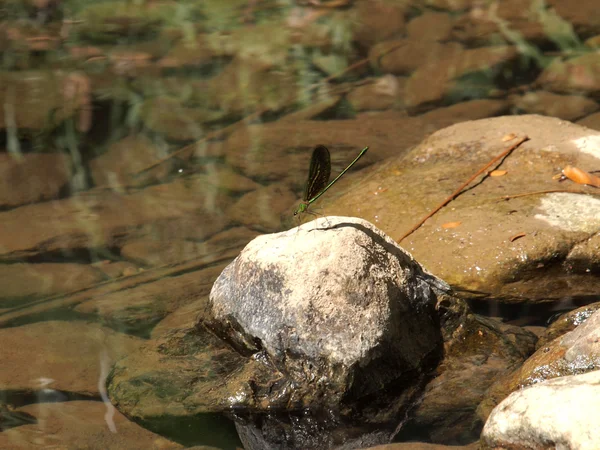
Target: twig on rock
x=455, y=194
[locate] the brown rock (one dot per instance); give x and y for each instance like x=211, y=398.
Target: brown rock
x=177, y=122
x=222, y=177
x=311, y=112
x=27, y=282
x=574, y=353
x=565, y=323
x=264, y=208
x=138, y=309
x=245, y=84
x=204, y=149
x=40, y=100
x=567, y=107
x=478, y=255
x=430, y=26
x=183, y=208
x=452, y=5
x=194, y=226
x=153, y=253
x=377, y=21
x=404, y=56
x=177, y=241
x=382, y=93
x=579, y=258
x=121, y=164
x=75, y=354
x=592, y=121
x=441, y=117
x=116, y=269
x=579, y=75
x=80, y=424
x=230, y=239
x=487, y=23
x=32, y=177
x=184, y=317
x=440, y=79
x=461, y=112
x=583, y=19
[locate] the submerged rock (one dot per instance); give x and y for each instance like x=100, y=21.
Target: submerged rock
x=336, y=306
x=477, y=352
x=51, y=172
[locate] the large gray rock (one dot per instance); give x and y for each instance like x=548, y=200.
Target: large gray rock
x=327, y=343
x=559, y=413
x=335, y=304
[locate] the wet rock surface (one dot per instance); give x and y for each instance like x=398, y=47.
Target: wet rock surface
x=566, y=322
x=539, y=247
x=477, y=352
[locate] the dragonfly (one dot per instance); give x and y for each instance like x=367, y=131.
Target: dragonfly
x=318, y=176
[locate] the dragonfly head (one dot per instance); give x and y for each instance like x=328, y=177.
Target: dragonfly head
x=301, y=208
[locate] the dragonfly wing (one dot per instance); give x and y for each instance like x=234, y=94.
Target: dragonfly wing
x=319, y=172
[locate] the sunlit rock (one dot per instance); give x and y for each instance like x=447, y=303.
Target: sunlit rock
x=574, y=353
x=567, y=322
x=556, y=257
x=334, y=304
x=559, y=413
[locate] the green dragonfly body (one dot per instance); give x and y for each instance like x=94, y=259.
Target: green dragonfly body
x=318, y=176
